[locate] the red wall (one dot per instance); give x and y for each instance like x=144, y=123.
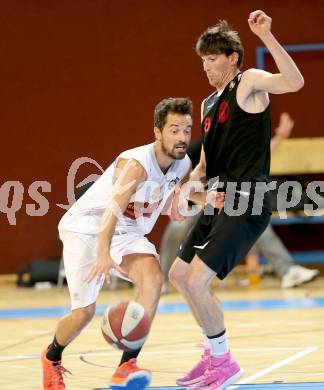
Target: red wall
x=81, y=78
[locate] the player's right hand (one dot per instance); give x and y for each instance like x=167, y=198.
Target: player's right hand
x=260, y=23
x=178, y=208
x=216, y=199
x=102, y=266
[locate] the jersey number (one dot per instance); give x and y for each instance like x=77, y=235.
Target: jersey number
x=207, y=124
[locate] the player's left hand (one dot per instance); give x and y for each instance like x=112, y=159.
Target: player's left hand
x=102, y=266
x=260, y=23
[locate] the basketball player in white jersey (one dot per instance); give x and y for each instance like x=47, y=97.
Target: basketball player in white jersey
x=104, y=232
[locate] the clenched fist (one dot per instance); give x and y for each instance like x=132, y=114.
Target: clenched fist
x=260, y=23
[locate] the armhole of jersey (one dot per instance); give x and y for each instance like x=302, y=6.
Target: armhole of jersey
x=239, y=78
x=202, y=110
x=141, y=164
x=132, y=158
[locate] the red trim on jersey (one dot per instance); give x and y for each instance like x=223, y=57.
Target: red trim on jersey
x=140, y=209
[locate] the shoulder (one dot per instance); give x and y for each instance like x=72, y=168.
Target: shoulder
x=138, y=151
x=141, y=154
x=132, y=168
x=134, y=164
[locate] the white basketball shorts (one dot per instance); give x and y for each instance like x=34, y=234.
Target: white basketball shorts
x=80, y=253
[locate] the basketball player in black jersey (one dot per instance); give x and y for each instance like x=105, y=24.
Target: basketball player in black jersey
x=236, y=149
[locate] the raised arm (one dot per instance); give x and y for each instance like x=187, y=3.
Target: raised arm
x=289, y=79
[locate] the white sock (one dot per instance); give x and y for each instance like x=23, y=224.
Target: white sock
x=218, y=344
x=206, y=339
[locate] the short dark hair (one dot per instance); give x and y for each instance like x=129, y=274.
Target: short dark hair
x=220, y=39
x=181, y=106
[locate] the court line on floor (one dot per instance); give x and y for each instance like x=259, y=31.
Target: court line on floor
x=241, y=325
x=5, y=358
x=263, y=386
x=273, y=367
x=298, y=324
x=175, y=307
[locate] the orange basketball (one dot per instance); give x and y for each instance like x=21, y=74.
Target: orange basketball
x=125, y=325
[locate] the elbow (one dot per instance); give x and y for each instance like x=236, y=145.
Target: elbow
x=202, y=170
x=202, y=165
x=298, y=84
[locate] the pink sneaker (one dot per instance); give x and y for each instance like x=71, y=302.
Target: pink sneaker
x=197, y=373
x=221, y=372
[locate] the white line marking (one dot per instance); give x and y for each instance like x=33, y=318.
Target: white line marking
x=275, y=366
x=110, y=352
x=35, y=332
x=4, y=358
x=270, y=349
x=241, y=325
x=299, y=323
x=13, y=366
x=251, y=325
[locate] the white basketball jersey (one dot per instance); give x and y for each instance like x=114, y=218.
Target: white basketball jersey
x=144, y=207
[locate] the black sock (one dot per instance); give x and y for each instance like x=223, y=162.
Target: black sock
x=129, y=355
x=54, y=352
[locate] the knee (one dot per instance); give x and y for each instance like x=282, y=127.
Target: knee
x=152, y=281
x=85, y=314
x=193, y=286
x=176, y=277
x=157, y=280
x=173, y=276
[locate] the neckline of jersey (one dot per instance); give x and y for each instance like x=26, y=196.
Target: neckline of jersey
x=155, y=162
x=238, y=76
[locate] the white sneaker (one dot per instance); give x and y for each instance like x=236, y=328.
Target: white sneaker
x=298, y=275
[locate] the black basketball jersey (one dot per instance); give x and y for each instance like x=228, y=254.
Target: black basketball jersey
x=236, y=143
x=193, y=151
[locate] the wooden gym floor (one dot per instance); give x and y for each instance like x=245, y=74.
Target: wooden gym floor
x=276, y=335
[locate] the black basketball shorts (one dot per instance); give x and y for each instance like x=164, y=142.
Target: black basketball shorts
x=222, y=241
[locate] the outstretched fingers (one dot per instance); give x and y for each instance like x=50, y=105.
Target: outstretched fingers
x=95, y=272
